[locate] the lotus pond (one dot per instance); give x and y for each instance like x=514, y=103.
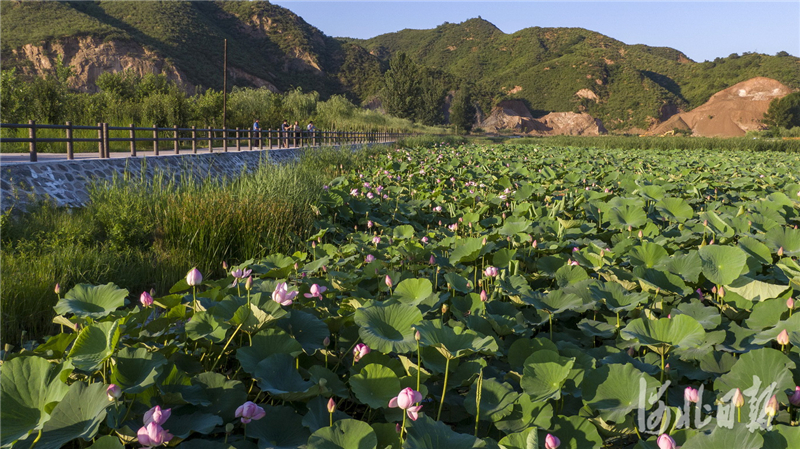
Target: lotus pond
x=510, y=297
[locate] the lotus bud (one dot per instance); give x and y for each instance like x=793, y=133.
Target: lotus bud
x=432, y=260
x=145, y=299
x=248, y=284
x=491, y=271
x=641, y=234
x=795, y=398
x=331, y=405
x=313, y=244
x=376, y=240
x=551, y=442
x=249, y=411
x=574, y=249
x=483, y=242
x=780, y=252
x=153, y=292
x=388, y=281
x=705, y=223
x=193, y=277
x=691, y=395
x=57, y=289
x=535, y=244
x=711, y=242
x=665, y=441
x=157, y=415
x=783, y=338
x=369, y=224
x=738, y=398
x=326, y=341
x=369, y=259
x=417, y=336
x=360, y=351
x=229, y=427
x=225, y=265
x=790, y=303
x=445, y=308
x=484, y=296
x=771, y=409
x=113, y=392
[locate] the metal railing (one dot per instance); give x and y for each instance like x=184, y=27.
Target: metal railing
x=195, y=137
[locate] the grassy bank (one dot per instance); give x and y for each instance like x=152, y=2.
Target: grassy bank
x=145, y=233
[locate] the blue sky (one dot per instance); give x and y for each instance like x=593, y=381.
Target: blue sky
x=701, y=30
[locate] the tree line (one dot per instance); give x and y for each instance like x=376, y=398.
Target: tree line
x=411, y=95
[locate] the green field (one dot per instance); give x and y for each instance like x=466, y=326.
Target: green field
x=520, y=290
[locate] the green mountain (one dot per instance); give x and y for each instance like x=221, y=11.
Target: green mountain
x=267, y=45
x=550, y=69
x=574, y=69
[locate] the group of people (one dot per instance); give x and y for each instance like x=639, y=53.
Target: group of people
x=287, y=131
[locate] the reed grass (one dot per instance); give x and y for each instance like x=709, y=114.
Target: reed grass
x=147, y=233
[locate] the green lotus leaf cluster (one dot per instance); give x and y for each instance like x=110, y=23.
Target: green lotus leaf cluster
x=522, y=290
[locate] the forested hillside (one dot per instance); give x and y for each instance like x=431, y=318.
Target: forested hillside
x=628, y=87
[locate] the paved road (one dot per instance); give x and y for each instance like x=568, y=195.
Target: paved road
x=17, y=158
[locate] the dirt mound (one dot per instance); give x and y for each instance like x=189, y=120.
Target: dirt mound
x=514, y=115
x=730, y=112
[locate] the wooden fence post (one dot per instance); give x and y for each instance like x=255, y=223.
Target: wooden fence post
x=238, y=142
x=32, y=135
x=155, y=140
x=133, y=140
x=269, y=134
x=177, y=144
x=70, y=143
x=194, y=139
x=250, y=140
x=106, y=141
x=210, y=140
x=100, y=151
x=225, y=140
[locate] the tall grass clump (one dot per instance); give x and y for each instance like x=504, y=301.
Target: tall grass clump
x=143, y=233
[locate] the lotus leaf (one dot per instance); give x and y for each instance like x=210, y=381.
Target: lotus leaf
x=29, y=387
x=92, y=301
x=722, y=264
x=660, y=335
x=527, y=439
x=425, y=433
x=544, y=375
x=375, y=385
x=388, y=327
x=454, y=342
x=344, y=434
x=135, y=370
x=497, y=400
x=94, y=345
x=721, y=438
x=615, y=390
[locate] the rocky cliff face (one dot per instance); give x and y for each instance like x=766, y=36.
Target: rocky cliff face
x=89, y=57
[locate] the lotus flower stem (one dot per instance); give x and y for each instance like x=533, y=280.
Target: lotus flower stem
x=444, y=388
x=662, y=367
x=39, y=436
x=550, y=317
x=226, y=347
x=402, y=429
x=419, y=365
x=479, y=386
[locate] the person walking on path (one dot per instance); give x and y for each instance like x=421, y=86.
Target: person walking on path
x=296, y=128
x=284, y=134
x=311, y=132
x=257, y=133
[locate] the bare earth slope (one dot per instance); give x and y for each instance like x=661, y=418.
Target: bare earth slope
x=513, y=114
x=730, y=112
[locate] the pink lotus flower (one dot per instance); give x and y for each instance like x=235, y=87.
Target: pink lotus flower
x=406, y=400
x=738, y=398
x=573, y=262
x=376, y=240
x=771, y=409
x=665, y=441
x=691, y=395
x=491, y=271
x=424, y=239
x=316, y=291
x=551, y=442
x=113, y=392
x=57, y=289
x=388, y=281
x=360, y=351
x=790, y=303
x=145, y=299
x=193, y=277
x=484, y=296
x=249, y=411
x=369, y=224
x=156, y=415
x=783, y=338
x=795, y=398
x=152, y=435
x=282, y=295
x=369, y=259
x=331, y=405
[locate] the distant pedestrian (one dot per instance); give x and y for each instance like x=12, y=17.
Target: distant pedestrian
x=257, y=133
x=285, y=134
x=296, y=128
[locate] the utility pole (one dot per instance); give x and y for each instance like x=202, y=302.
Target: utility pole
x=225, y=89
